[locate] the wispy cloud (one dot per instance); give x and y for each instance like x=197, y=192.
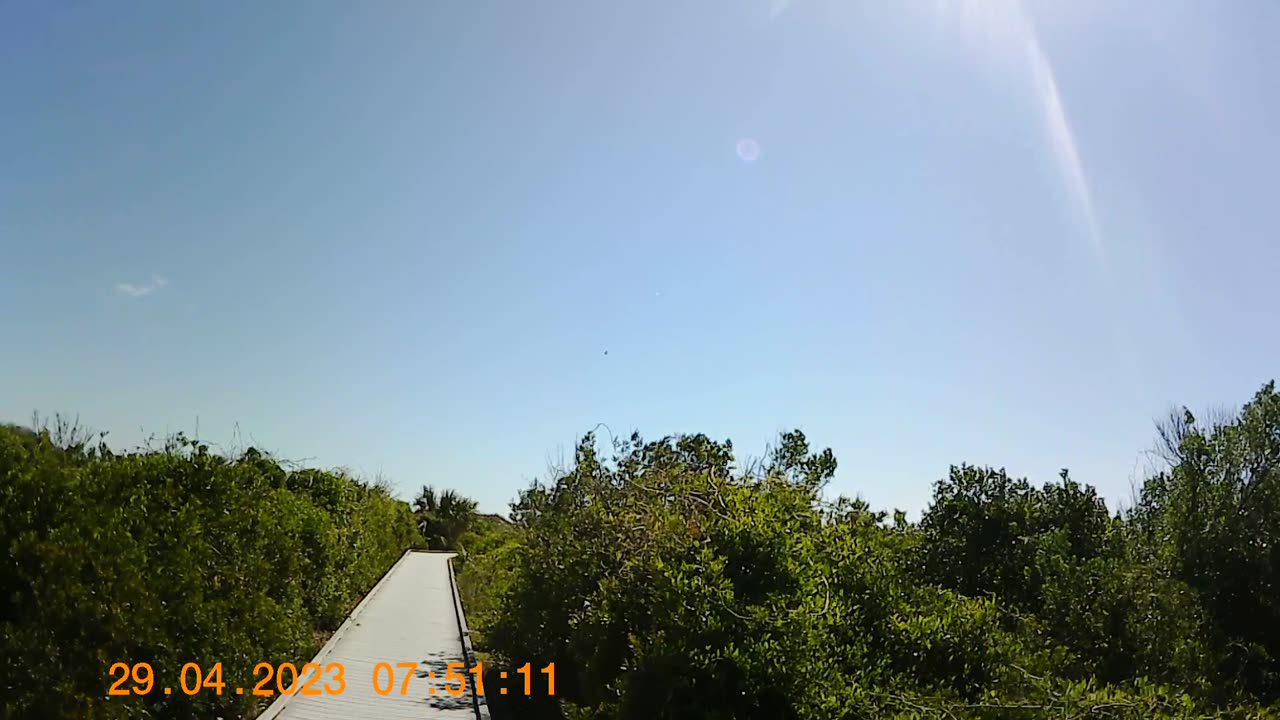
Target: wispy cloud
x=143, y=289
x=1005, y=30
x=1061, y=138
x=777, y=7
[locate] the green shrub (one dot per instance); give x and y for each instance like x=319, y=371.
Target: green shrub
x=168, y=557
x=666, y=584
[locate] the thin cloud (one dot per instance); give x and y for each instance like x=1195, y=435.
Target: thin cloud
x=1003, y=27
x=144, y=289
x=777, y=7
x=1061, y=138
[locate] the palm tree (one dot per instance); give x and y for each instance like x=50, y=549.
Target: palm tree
x=443, y=517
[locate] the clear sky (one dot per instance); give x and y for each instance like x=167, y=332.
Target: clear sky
x=441, y=240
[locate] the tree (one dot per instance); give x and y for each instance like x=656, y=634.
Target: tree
x=1212, y=519
x=663, y=584
x=1056, y=557
x=443, y=517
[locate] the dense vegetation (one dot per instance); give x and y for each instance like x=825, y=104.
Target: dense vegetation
x=172, y=556
x=668, y=580
x=443, y=517
x=665, y=582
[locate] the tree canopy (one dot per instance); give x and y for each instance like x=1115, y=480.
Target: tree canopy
x=667, y=581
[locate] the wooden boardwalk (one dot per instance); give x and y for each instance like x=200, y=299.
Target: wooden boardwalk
x=412, y=615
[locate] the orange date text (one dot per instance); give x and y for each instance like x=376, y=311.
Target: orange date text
x=284, y=679
x=327, y=679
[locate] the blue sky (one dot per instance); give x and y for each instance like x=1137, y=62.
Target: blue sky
x=402, y=236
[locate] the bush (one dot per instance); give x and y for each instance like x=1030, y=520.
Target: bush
x=664, y=586
x=665, y=583
x=168, y=557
